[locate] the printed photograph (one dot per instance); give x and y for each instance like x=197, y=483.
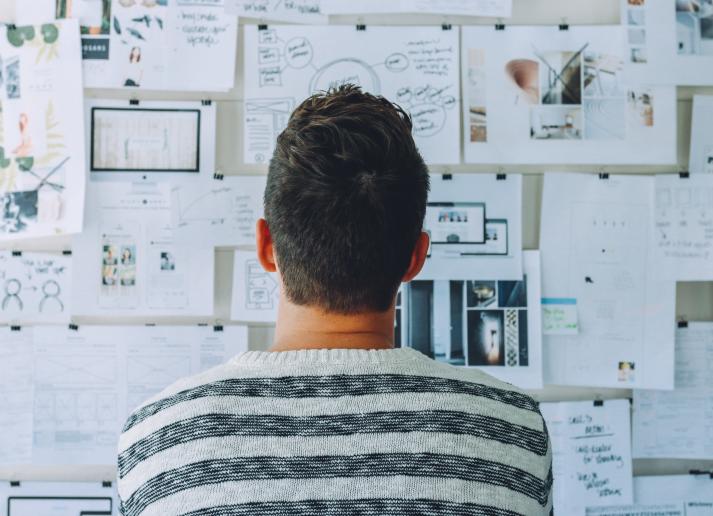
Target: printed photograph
x=637, y=2
x=18, y=210
x=638, y=55
x=641, y=109
x=694, y=27
x=524, y=74
x=12, y=78
x=168, y=262
x=603, y=75
x=636, y=17
x=512, y=294
x=477, y=95
x=556, y=123
x=94, y=15
x=561, y=77
x=605, y=119
x=637, y=36
x=627, y=372
x=486, y=346
x=127, y=269
x=481, y=294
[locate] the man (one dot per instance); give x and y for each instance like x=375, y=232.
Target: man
x=333, y=420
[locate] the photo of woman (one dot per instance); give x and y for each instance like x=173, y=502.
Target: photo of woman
x=134, y=71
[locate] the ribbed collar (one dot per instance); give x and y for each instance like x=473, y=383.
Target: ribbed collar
x=328, y=356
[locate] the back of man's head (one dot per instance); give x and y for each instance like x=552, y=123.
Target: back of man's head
x=345, y=201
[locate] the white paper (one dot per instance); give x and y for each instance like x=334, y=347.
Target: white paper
x=256, y=293
x=694, y=491
x=674, y=509
x=35, y=287
x=669, y=42
x=295, y=11
x=459, y=245
x=58, y=499
x=701, y=150
x=16, y=395
x=153, y=140
x=87, y=381
x=597, y=244
x=543, y=95
x=498, y=8
x=415, y=67
x=180, y=45
x=218, y=212
x=591, y=454
x=684, y=227
x=679, y=423
x=41, y=138
x=127, y=261
x=492, y=325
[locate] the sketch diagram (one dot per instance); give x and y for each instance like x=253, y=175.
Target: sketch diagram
x=261, y=288
x=256, y=292
x=415, y=67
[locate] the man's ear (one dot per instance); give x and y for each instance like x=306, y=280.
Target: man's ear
x=418, y=257
x=265, y=251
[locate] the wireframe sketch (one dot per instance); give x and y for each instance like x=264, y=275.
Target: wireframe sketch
x=261, y=288
x=415, y=67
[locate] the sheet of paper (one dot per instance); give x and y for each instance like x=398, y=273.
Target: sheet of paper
x=295, y=11
x=58, y=499
x=669, y=42
x=674, y=509
x=256, y=293
x=475, y=223
x=694, y=491
x=591, y=454
x=153, y=140
x=559, y=316
x=41, y=138
x=416, y=67
x=597, y=246
x=218, y=212
x=16, y=395
x=684, y=227
x=679, y=423
x=701, y=150
x=35, y=287
x=127, y=261
x=543, y=95
x=497, y=8
x=87, y=381
x=489, y=324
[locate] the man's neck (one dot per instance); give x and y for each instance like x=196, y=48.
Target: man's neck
x=300, y=327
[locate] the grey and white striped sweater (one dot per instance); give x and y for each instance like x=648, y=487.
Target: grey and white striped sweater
x=336, y=432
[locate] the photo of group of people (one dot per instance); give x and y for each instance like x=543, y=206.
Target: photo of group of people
x=118, y=265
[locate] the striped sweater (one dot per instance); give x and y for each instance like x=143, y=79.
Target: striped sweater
x=336, y=432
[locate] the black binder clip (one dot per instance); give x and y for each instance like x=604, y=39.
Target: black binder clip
x=262, y=26
x=684, y=175
x=206, y=102
x=74, y=327
x=218, y=327
x=17, y=253
x=501, y=177
x=15, y=328
x=603, y=175
x=446, y=26
x=683, y=324
x=67, y=252
x=499, y=26
x=218, y=176
x=598, y=403
x=134, y=102
x=564, y=26
x=361, y=27
x=14, y=483
x=150, y=324
x=106, y=483
x=11, y=26
x=447, y=177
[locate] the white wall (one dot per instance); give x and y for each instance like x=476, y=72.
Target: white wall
x=694, y=301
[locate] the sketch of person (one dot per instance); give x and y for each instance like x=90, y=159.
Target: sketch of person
x=25, y=148
x=135, y=71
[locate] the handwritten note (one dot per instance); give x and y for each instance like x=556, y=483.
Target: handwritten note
x=559, y=316
x=296, y=11
x=591, y=454
x=684, y=227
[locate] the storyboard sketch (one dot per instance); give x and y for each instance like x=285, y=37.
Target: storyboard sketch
x=256, y=293
x=127, y=261
x=679, y=423
x=58, y=498
x=293, y=11
x=416, y=67
x=153, y=140
x=41, y=138
x=16, y=395
x=489, y=324
x=475, y=223
x=494, y=8
x=35, y=287
x=684, y=227
x=151, y=44
x=669, y=42
x=88, y=380
x=597, y=253
x=544, y=95
x=701, y=150
x=591, y=454
x=694, y=491
x=219, y=211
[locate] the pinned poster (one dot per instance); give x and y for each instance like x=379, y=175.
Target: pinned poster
x=41, y=137
x=58, y=498
x=591, y=454
x=694, y=491
x=256, y=292
x=597, y=247
x=494, y=325
x=475, y=223
x=669, y=42
x=295, y=11
x=16, y=395
x=128, y=262
x=286, y=64
x=544, y=95
x=701, y=150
